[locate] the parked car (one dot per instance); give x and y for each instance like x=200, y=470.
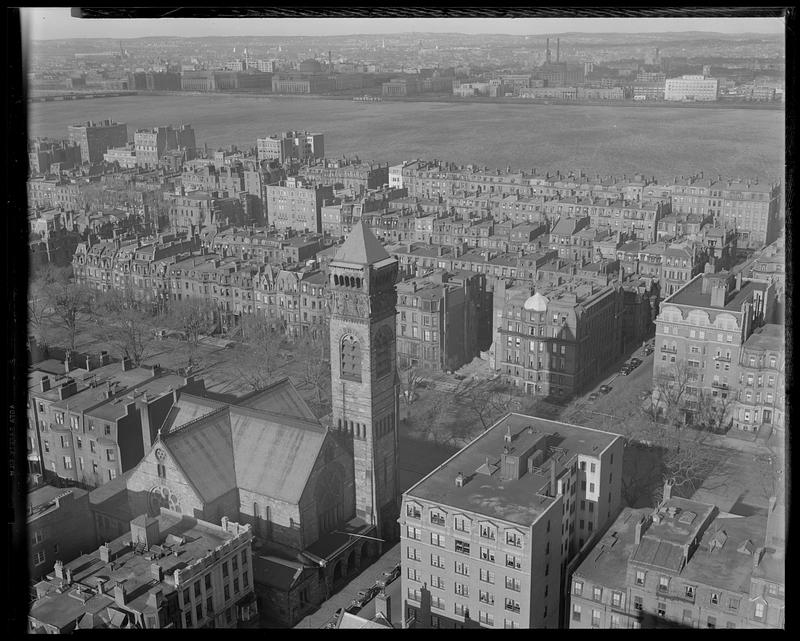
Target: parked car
x=605, y=389
x=353, y=608
x=635, y=362
x=363, y=597
x=593, y=396
x=648, y=350
x=388, y=576
x=625, y=371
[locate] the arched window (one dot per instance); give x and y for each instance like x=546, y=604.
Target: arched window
x=382, y=351
x=350, y=359
x=335, y=279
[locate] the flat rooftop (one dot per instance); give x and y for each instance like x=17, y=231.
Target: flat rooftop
x=487, y=493
x=692, y=295
x=767, y=337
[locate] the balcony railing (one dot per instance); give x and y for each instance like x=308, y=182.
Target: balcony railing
x=719, y=385
x=720, y=357
x=669, y=350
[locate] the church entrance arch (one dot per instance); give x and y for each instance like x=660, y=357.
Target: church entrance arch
x=337, y=572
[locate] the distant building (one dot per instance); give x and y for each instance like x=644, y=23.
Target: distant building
x=95, y=138
x=296, y=204
x=486, y=537
x=170, y=571
x=683, y=565
x=691, y=88
x=151, y=144
x=400, y=87
x=56, y=526
x=753, y=209
x=125, y=156
x=43, y=153
x=298, y=145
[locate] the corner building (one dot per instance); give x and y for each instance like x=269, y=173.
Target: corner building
x=364, y=386
x=487, y=537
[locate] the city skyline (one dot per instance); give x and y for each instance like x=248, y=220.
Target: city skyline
x=58, y=24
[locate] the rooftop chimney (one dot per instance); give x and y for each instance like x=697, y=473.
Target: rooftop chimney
x=88, y=363
x=105, y=359
x=156, y=572
x=668, y=489
x=641, y=528
x=459, y=480
x=127, y=364
x=383, y=606
x=105, y=553
x=120, y=593
x=58, y=569
x=757, y=556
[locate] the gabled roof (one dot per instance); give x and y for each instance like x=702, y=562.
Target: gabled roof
x=204, y=451
x=274, y=453
x=280, y=398
x=361, y=247
x=188, y=408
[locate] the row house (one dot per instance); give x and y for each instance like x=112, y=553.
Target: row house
x=720, y=245
x=761, y=399
x=564, y=239
x=684, y=565
x=753, y=210
x=297, y=204
x=192, y=211
x=677, y=226
x=559, y=340
x=351, y=174
x=679, y=264
x=264, y=246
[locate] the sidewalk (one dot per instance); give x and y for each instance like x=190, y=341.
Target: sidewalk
x=344, y=596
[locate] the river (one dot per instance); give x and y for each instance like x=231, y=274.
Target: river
x=659, y=141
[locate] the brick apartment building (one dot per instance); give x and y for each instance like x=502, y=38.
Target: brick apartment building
x=291, y=145
x=684, y=565
x=151, y=144
x=192, y=211
x=353, y=174
x=171, y=571
x=761, y=397
x=486, y=537
x=439, y=317
x=56, y=526
x=296, y=204
x=700, y=332
x=95, y=138
x=558, y=340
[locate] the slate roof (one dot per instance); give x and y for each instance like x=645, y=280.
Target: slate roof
x=281, y=397
x=274, y=453
x=659, y=553
x=361, y=247
x=204, y=451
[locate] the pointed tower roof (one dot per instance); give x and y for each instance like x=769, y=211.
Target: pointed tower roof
x=361, y=247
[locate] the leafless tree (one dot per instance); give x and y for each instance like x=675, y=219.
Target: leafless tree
x=261, y=359
x=120, y=320
x=713, y=412
x=670, y=388
x=486, y=401
x=313, y=355
x=66, y=301
x=194, y=317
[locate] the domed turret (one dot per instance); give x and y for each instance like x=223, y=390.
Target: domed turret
x=536, y=303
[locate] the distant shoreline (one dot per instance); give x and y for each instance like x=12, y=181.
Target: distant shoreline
x=777, y=106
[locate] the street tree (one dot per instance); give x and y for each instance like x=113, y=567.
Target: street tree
x=124, y=323
x=63, y=302
x=194, y=318
x=313, y=354
x=264, y=338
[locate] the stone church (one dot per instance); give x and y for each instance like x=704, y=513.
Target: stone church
x=321, y=495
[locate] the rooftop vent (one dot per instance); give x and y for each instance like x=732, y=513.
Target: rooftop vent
x=459, y=480
x=687, y=517
x=746, y=548
x=717, y=541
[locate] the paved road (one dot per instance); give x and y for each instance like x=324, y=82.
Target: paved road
x=344, y=596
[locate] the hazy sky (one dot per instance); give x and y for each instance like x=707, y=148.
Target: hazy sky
x=57, y=23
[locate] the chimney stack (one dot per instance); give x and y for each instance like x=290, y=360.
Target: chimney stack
x=58, y=569
x=383, y=606
x=156, y=572
x=126, y=364
x=668, y=489
x=640, y=529
x=105, y=553
x=105, y=359
x=120, y=593
x=88, y=363
x=757, y=556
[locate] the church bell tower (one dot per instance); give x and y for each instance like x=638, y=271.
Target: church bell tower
x=364, y=390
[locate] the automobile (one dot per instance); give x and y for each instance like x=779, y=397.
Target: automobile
x=363, y=597
x=635, y=362
x=648, y=350
x=605, y=389
x=626, y=369
x=593, y=396
x=460, y=377
x=388, y=576
x=353, y=608
x=331, y=623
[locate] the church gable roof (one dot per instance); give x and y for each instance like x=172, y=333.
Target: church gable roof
x=274, y=453
x=361, y=247
x=188, y=408
x=203, y=449
x=280, y=398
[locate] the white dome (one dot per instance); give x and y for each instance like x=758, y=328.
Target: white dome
x=536, y=303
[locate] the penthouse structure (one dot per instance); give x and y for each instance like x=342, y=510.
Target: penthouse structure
x=95, y=138
x=487, y=536
x=298, y=145
x=700, y=331
x=440, y=319
x=684, y=565
x=169, y=571
x=558, y=340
